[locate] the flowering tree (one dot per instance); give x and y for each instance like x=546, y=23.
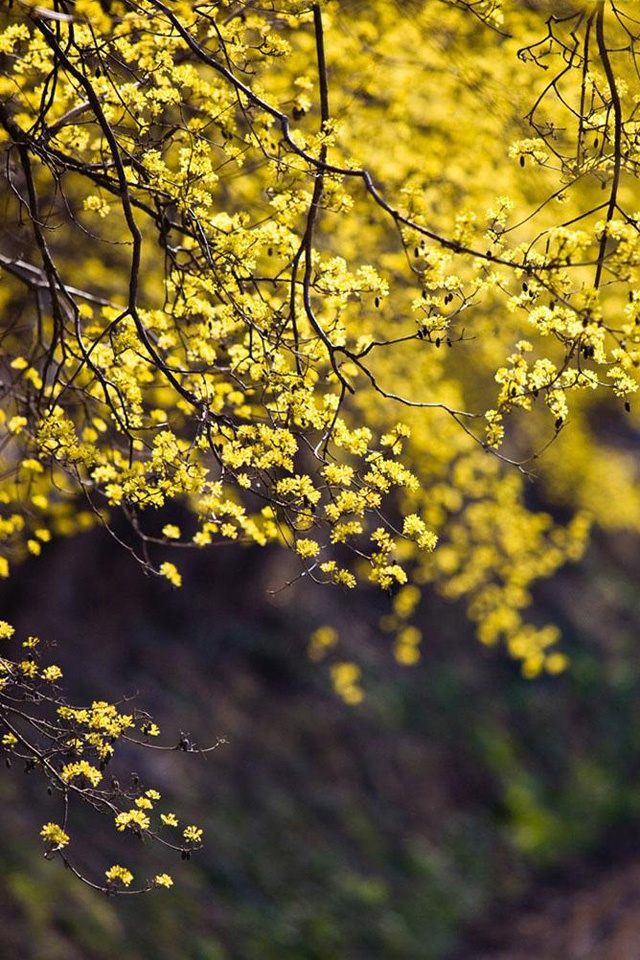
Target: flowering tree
x=344, y=277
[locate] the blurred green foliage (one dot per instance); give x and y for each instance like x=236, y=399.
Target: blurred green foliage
x=376, y=831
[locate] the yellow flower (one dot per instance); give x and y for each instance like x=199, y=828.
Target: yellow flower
x=556, y=663
x=28, y=667
x=192, y=834
x=55, y=835
x=307, y=548
x=320, y=642
x=406, y=654
x=169, y=819
x=163, y=880
x=97, y=205
x=135, y=819
x=170, y=571
x=51, y=673
x=345, y=678
x=71, y=771
x=171, y=532
x=16, y=424
x=33, y=465
x=116, y=874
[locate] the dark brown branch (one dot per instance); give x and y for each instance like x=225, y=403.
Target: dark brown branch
x=127, y=207
x=617, y=136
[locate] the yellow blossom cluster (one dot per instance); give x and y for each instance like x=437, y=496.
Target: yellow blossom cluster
x=72, y=747
x=317, y=283
x=346, y=682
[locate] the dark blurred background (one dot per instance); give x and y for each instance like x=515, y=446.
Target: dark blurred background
x=460, y=812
